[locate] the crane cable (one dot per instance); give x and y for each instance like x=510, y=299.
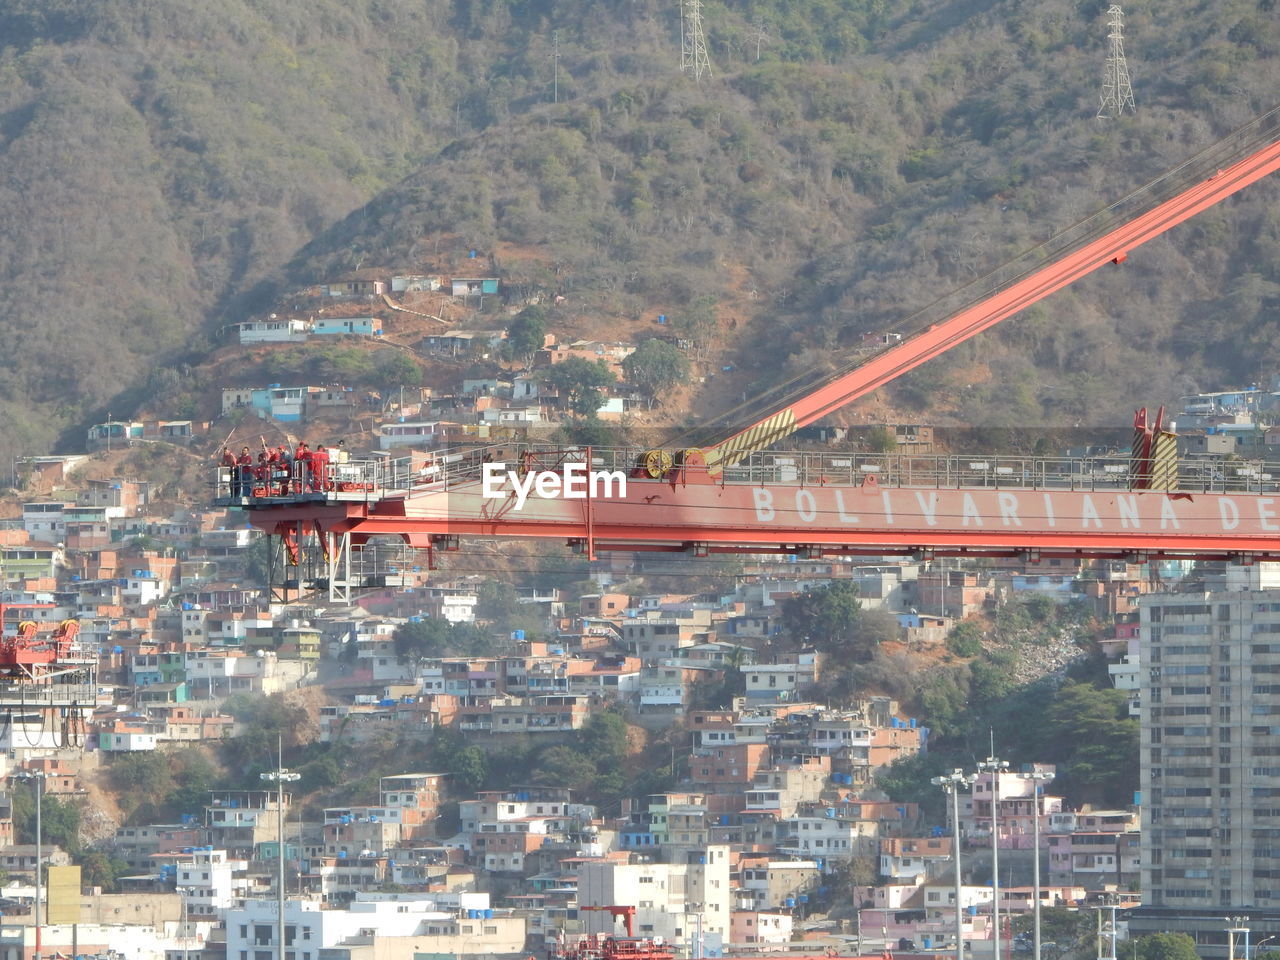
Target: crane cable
x=1237, y=145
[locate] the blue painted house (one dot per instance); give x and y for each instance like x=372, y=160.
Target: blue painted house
x=347, y=326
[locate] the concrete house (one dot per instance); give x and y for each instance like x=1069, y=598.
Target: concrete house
x=273, y=330
x=473, y=286
x=347, y=326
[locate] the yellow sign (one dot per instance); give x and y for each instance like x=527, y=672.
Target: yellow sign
x=64, y=894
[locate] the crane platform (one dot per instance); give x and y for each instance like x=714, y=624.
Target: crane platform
x=822, y=503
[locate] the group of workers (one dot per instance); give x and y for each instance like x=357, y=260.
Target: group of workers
x=279, y=471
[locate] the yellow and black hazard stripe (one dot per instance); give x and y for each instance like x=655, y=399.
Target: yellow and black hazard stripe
x=1164, y=461
x=763, y=434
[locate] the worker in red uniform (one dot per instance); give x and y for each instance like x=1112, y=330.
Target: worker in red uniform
x=284, y=466
x=320, y=468
x=244, y=473
x=262, y=474
x=229, y=466
x=273, y=469
x=302, y=464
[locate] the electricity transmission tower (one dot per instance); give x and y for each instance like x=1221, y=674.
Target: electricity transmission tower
x=1117, y=94
x=693, y=44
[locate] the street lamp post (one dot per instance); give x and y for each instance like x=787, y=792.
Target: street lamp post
x=952, y=783
x=280, y=775
x=1036, y=777
x=1238, y=925
x=37, y=779
x=995, y=767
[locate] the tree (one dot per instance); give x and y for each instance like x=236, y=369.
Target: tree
x=965, y=639
x=881, y=440
x=469, y=768
x=430, y=637
x=580, y=382
x=655, y=366
x=527, y=333
x=698, y=321
x=1165, y=946
x=98, y=868
x=394, y=369
x=60, y=819
x=604, y=739
x=822, y=616
x=1089, y=731
x=1068, y=928
x=565, y=767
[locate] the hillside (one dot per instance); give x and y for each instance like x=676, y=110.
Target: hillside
x=172, y=166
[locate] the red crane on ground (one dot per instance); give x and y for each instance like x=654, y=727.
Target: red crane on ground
x=731, y=495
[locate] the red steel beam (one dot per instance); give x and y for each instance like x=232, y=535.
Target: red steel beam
x=1112, y=246
x=653, y=515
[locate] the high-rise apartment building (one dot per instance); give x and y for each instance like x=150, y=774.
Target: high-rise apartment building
x=1210, y=756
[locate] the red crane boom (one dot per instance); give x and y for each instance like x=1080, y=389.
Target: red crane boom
x=1068, y=265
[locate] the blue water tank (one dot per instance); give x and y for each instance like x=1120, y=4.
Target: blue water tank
x=471, y=254
x=517, y=634
x=790, y=903
x=488, y=914
x=662, y=318
x=804, y=898
x=342, y=854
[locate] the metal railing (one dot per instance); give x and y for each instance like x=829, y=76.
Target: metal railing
x=376, y=478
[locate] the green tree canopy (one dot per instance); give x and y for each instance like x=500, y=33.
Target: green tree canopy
x=823, y=616
x=432, y=637
x=1166, y=946
x=580, y=382
x=394, y=369
x=655, y=366
x=527, y=332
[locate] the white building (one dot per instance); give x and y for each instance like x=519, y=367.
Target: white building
x=407, y=923
x=46, y=521
x=208, y=883
x=273, y=330
x=668, y=896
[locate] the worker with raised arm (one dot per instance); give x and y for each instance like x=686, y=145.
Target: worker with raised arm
x=229, y=468
x=284, y=459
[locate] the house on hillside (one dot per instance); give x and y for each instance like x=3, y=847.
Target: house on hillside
x=463, y=343
x=412, y=283
x=273, y=330
x=473, y=286
x=355, y=287
x=422, y=435
x=347, y=326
